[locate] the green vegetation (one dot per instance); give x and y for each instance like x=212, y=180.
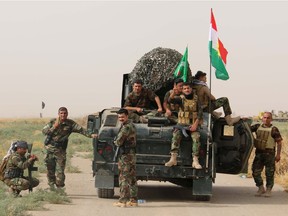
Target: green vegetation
x=30, y=131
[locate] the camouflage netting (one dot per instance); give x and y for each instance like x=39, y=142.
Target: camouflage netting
x=156, y=68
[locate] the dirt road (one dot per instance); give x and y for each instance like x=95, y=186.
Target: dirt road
x=232, y=195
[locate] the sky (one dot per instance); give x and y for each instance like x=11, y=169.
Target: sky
x=74, y=53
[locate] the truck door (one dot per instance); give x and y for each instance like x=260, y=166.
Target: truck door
x=233, y=146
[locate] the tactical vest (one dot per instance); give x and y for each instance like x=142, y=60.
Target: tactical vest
x=203, y=98
x=188, y=111
x=264, y=140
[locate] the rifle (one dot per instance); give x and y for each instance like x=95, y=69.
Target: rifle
x=115, y=157
x=30, y=168
x=183, y=129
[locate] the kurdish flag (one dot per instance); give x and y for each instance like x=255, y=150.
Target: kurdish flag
x=218, y=53
x=182, y=68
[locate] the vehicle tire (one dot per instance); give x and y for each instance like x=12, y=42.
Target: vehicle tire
x=105, y=193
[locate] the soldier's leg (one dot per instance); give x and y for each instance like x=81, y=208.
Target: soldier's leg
x=269, y=170
x=51, y=167
x=257, y=168
x=34, y=182
x=176, y=140
x=195, y=149
x=133, y=180
x=124, y=169
x=175, y=144
x=17, y=185
x=60, y=156
x=222, y=102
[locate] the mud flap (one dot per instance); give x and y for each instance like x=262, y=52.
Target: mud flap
x=104, y=181
x=202, y=186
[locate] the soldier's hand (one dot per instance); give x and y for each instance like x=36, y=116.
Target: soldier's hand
x=94, y=135
x=56, y=123
x=139, y=110
x=34, y=157
x=168, y=112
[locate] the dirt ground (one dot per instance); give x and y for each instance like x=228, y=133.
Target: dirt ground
x=232, y=195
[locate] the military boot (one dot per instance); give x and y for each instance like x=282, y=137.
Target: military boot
x=119, y=204
x=195, y=163
x=173, y=160
x=217, y=115
x=268, y=192
x=231, y=121
x=261, y=191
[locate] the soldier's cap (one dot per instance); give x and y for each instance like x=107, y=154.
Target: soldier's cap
x=199, y=74
x=122, y=110
x=21, y=144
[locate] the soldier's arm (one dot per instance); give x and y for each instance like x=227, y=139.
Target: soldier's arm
x=16, y=161
x=275, y=133
x=122, y=136
x=208, y=93
x=48, y=128
x=158, y=102
x=76, y=128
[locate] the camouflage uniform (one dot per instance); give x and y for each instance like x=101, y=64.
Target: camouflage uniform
x=14, y=173
x=177, y=134
x=143, y=101
x=265, y=158
x=215, y=104
x=126, y=140
x=173, y=107
x=55, y=159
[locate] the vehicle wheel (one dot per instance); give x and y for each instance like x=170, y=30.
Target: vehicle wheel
x=105, y=193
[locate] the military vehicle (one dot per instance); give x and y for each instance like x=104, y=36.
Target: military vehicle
x=224, y=149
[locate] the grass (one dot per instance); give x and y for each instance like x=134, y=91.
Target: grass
x=30, y=131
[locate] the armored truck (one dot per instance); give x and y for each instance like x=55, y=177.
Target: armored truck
x=224, y=149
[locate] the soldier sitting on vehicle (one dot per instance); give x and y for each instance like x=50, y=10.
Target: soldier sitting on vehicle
x=204, y=95
x=189, y=116
x=171, y=110
x=139, y=100
x=16, y=164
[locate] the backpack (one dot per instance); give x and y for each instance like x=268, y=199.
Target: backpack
x=5, y=160
x=3, y=167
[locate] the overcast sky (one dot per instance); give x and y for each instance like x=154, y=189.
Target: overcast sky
x=73, y=53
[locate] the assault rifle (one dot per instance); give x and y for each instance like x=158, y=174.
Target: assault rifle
x=115, y=157
x=30, y=168
x=184, y=129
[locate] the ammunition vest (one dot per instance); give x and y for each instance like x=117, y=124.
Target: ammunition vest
x=188, y=111
x=264, y=140
x=203, y=98
x=13, y=173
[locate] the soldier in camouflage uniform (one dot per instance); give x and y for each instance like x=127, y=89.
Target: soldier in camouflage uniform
x=126, y=141
x=204, y=94
x=171, y=110
x=140, y=99
x=16, y=165
x=189, y=115
x=57, y=132
x=267, y=136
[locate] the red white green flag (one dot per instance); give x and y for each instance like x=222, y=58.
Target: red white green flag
x=182, y=67
x=218, y=53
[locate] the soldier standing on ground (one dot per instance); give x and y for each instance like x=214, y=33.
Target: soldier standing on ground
x=138, y=100
x=171, y=110
x=267, y=136
x=204, y=94
x=16, y=165
x=126, y=141
x=189, y=115
x=57, y=132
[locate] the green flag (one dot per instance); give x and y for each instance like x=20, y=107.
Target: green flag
x=182, y=68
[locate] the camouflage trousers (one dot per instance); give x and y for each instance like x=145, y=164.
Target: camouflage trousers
x=176, y=140
x=55, y=162
x=220, y=102
x=262, y=160
x=127, y=178
x=20, y=184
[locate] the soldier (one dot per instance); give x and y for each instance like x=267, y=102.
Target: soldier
x=57, y=132
x=190, y=114
x=171, y=110
x=138, y=100
x=267, y=136
x=204, y=95
x=126, y=141
x=16, y=164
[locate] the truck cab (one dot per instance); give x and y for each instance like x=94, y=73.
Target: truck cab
x=224, y=149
